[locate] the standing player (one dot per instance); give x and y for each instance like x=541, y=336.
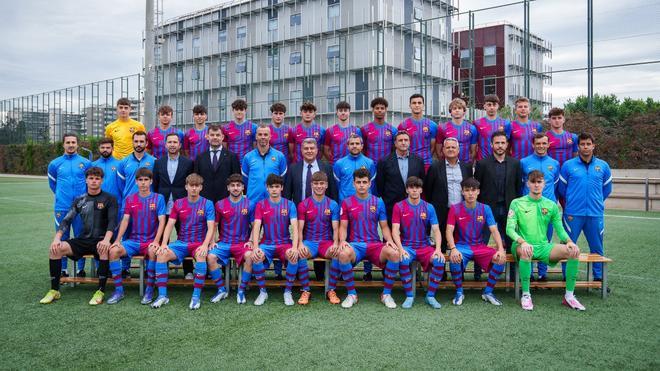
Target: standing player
x=281, y=135
x=465, y=241
x=147, y=211
x=194, y=141
x=336, y=138
x=489, y=124
x=462, y=130
x=197, y=217
x=361, y=214
x=345, y=167
x=378, y=135
x=411, y=220
x=239, y=133
x=527, y=225
x=318, y=228
x=259, y=163
x=121, y=130
x=66, y=178
x=523, y=130
x=422, y=130
x=563, y=144
x=308, y=128
x=157, y=136
x=275, y=214
x=233, y=216
x=130, y=165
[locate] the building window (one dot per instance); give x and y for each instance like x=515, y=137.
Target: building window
x=179, y=75
x=222, y=71
x=179, y=49
x=465, y=58
x=333, y=58
x=490, y=85
x=333, y=97
x=273, y=58
x=272, y=30
x=273, y=98
x=295, y=99
x=418, y=14
x=241, y=67
x=195, y=46
x=489, y=55
x=295, y=20
x=418, y=53
x=158, y=54
x=241, y=90
x=241, y=35
x=195, y=72
x=333, y=14
x=465, y=88
x=222, y=39
x=272, y=13
x=295, y=58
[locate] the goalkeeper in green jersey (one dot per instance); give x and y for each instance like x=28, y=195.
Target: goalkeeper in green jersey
x=527, y=225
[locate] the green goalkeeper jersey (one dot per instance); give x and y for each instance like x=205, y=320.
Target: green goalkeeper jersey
x=529, y=219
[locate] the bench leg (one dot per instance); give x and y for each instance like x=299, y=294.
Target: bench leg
x=73, y=271
x=413, y=269
x=326, y=276
x=589, y=275
x=603, y=289
x=228, y=277
x=92, y=268
x=507, y=267
x=240, y=276
x=516, y=285
x=141, y=277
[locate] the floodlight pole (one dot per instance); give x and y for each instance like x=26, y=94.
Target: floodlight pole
x=590, y=56
x=149, y=86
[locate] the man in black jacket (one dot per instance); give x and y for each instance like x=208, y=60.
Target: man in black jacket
x=216, y=165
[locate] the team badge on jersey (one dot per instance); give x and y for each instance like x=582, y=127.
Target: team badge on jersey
x=152, y=206
x=327, y=212
x=81, y=165
x=570, y=218
x=425, y=129
x=248, y=132
x=372, y=209
x=100, y=206
x=113, y=168
x=244, y=211
x=284, y=212
x=200, y=212
x=422, y=215
x=273, y=158
x=597, y=168
x=569, y=140
x=550, y=167
x=58, y=214
x=132, y=130
x=544, y=211
x=467, y=132
x=511, y=214
x=480, y=218
x=388, y=133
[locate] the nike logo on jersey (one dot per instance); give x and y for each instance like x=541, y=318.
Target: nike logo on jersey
x=462, y=218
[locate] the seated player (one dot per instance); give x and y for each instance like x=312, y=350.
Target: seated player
x=233, y=215
x=411, y=219
x=527, y=225
x=98, y=211
x=465, y=241
x=275, y=214
x=146, y=211
x=361, y=214
x=196, y=216
x=318, y=228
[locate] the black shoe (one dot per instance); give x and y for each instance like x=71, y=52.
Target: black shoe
x=543, y=279
x=126, y=274
x=601, y=280
x=532, y=278
x=477, y=277
x=279, y=277
x=367, y=277
x=81, y=273
x=64, y=274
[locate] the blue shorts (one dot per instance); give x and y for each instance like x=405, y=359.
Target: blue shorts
x=274, y=251
x=369, y=251
x=222, y=251
x=313, y=247
x=182, y=250
x=134, y=248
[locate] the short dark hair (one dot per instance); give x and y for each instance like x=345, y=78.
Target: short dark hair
x=94, y=171
x=361, y=173
x=400, y=133
x=138, y=133
x=556, y=111
x=214, y=127
x=492, y=98
x=343, y=105
x=173, y=135
x=520, y=99
x=70, y=134
x=416, y=95
x=194, y=179
x=319, y=176
x=274, y=179
x=235, y=178
x=586, y=136
x=539, y=136
x=379, y=100
x=164, y=110
x=499, y=133
x=123, y=102
x=414, y=182
x=106, y=140
x=278, y=107
x=470, y=183
x=143, y=172
x=199, y=109
x=354, y=136
x=308, y=106
x=535, y=175
x=239, y=104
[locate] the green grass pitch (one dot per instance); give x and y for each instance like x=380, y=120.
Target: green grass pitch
x=622, y=331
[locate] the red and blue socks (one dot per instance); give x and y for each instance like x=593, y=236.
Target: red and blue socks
x=435, y=276
x=334, y=274
x=216, y=276
x=389, y=275
x=245, y=280
x=115, y=271
x=493, y=275
x=347, y=274
x=161, y=278
x=259, y=275
x=151, y=275
x=303, y=274
x=291, y=270
x=406, y=277
x=200, y=277
x=457, y=276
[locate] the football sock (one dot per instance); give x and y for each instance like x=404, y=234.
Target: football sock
x=291, y=270
x=493, y=275
x=259, y=275
x=334, y=274
x=161, y=278
x=245, y=279
x=55, y=266
x=347, y=274
x=571, y=274
x=200, y=277
x=525, y=267
x=104, y=268
x=303, y=274
x=406, y=278
x=115, y=270
x=457, y=276
x=389, y=275
x=216, y=276
x=435, y=277
x=151, y=274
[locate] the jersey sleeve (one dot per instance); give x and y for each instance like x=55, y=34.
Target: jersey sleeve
x=186, y=141
x=475, y=134
x=396, y=213
x=557, y=223
x=433, y=127
x=251, y=207
x=372, y=171
x=65, y=224
x=512, y=221
x=607, y=181
x=490, y=219
x=440, y=134
x=563, y=180
x=258, y=211
x=245, y=168
x=334, y=209
x=322, y=139
x=253, y=135
x=451, y=218
x=282, y=166
x=174, y=213
x=382, y=214
x=433, y=217
x=210, y=211
x=121, y=176
x=327, y=139
x=108, y=131
x=112, y=210
x=343, y=212
x=575, y=143
x=394, y=132
x=52, y=176
x=507, y=129
x=293, y=214
x=336, y=170
x=161, y=208
x=302, y=208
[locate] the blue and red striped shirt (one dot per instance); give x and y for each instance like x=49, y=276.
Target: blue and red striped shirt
x=144, y=213
x=470, y=223
x=280, y=139
x=465, y=133
x=415, y=222
x=421, y=133
x=486, y=128
x=193, y=218
x=562, y=146
x=363, y=216
x=337, y=139
x=318, y=218
x=194, y=142
x=378, y=140
x=157, y=137
x=240, y=138
x=522, y=138
x=302, y=132
x=275, y=219
x=234, y=220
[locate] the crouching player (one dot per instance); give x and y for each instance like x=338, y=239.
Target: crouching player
x=465, y=241
x=361, y=214
x=233, y=216
x=197, y=217
x=275, y=214
x=527, y=225
x=146, y=211
x=411, y=220
x=318, y=228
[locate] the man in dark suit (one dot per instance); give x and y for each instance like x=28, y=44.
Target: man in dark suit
x=442, y=185
x=215, y=165
x=394, y=170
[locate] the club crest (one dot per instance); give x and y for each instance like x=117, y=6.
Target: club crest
x=422, y=215
x=372, y=209
x=544, y=211
x=480, y=218
x=244, y=211
x=100, y=205
x=200, y=212
x=284, y=212
x=152, y=206
x=326, y=212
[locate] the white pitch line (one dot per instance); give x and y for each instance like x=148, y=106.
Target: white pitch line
x=21, y=183
x=23, y=200
x=631, y=217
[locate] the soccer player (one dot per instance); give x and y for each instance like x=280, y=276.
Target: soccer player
x=233, y=216
x=98, y=211
x=586, y=182
x=465, y=241
x=346, y=166
x=378, y=135
x=194, y=141
x=361, y=214
x=318, y=228
x=563, y=144
x=523, y=130
x=411, y=219
x=275, y=214
x=66, y=178
x=259, y=163
x=527, y=225
x=239, y=133
x=146, y=210
x=308, y=128
x=156, y=137
x=489, y=124
x=421, y=129
x=121, y=130
x=461, y=129
x=197, y=217
x=336, y=138
x=130, y=164
x=281, y=135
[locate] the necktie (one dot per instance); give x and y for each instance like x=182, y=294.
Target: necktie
x=308, y=181
x=214, y=159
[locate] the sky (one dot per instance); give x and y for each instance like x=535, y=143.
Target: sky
x=54, y=44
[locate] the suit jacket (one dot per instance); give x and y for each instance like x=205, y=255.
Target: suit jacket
x=485, y=174
x=390, y=185
x=215, y=186
x=293, y=187
x=162, y=183
x=436, y=191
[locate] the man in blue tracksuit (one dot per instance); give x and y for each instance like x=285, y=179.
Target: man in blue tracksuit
x=541, y=161
x=66, y=178
x=346, y=166
x=259, y=163
x=586, y=181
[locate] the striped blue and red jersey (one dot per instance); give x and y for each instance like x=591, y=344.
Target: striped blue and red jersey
x=318, y=218
x=280, y=137
x=562, y=146
x=378, y=140
x=469, y=224
x=415, y=222
x=194, y=142
x=144, y=213
x=363, y=216
x=193, y=217
x=234, y=220
x=485, y=128
x=465, y=133
x=522, y=138
x=421, y=133
x=337, y=139
x=275, y=219
x=157, y=137
x=302, y=132
x=240, y=137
